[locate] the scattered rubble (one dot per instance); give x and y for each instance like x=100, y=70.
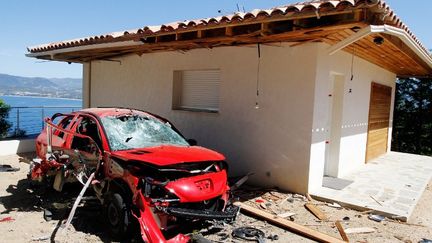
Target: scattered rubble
x=249, y=234
x=285, y=224
x=6, y=219
x=8, y=168
x=25, y=205
x=47, y=215
x=272, y=205
x=362, y=230
x=42, y=238
x=241, y=181
x=286, y=215
x=273, y=237
x=315, y=211
x=334, y=205
x=375, y=217
x=342, y=231
x=425, y=241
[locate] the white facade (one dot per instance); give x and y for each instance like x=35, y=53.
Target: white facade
x=283, y=141
x=354, y=114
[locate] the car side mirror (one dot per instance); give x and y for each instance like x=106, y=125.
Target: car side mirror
x=192, y=142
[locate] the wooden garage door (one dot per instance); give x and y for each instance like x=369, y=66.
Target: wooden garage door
x=379, y=120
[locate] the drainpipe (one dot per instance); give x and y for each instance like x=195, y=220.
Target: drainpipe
x=384, y=29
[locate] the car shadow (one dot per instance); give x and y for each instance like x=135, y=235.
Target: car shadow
x=27, y=196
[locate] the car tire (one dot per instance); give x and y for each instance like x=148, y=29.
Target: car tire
x=117, y=214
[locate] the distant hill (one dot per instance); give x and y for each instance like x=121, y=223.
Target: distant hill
x=71, y=83
x=48, y=87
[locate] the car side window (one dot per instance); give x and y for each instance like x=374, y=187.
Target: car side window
x=64, y=124
x=88, y=127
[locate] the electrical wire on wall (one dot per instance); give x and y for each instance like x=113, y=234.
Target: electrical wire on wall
x=352, y=70
x=258, y=77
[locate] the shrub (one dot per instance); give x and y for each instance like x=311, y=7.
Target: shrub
x=4, y=124
x=19, y=133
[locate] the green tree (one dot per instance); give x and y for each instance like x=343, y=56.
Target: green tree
x=412, y=126
x=4, y=113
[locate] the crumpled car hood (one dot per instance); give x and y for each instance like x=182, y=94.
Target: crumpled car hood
x=169, y=155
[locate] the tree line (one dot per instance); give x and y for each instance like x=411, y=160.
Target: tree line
x=412, y=119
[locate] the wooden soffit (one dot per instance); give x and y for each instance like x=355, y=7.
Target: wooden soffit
x=391, y=54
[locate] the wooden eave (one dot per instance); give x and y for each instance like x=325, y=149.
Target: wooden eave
x=331, y=28
x=392, y=54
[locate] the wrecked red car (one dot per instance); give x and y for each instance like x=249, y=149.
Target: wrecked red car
x=140, y=167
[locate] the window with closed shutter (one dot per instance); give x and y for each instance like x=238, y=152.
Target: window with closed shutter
x=196, y=90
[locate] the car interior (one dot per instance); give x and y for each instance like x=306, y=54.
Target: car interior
x=89, y=128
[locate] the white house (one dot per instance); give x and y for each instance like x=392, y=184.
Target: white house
x=291, y=93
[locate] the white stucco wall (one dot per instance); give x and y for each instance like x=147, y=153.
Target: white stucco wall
x=16, y=146
x=86, y=85
x=355, y=111
x=273, y=141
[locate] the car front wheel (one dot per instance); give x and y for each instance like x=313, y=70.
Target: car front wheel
x=117, y=215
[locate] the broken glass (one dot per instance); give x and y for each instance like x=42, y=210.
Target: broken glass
x=138, y=131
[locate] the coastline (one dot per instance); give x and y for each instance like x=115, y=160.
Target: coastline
x=42, y=97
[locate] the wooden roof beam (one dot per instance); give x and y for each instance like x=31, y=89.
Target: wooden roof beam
x=207, y=42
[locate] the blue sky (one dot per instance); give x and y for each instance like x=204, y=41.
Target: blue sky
x=25, y=23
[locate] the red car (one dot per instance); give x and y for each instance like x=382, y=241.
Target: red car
x=140, y=166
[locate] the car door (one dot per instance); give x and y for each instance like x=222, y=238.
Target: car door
x=59, y=139
x=86, y=142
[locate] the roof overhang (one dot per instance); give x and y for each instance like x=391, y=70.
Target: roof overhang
x=396, y=51
x=51, y=54
x=389, y=30
x=349, y=25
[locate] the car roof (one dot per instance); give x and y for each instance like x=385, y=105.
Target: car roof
x=102, y=112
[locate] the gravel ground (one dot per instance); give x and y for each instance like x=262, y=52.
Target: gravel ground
x=26, y=203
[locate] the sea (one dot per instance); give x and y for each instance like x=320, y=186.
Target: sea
x=28, y=112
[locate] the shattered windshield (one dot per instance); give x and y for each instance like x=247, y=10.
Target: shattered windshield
x=138, y=131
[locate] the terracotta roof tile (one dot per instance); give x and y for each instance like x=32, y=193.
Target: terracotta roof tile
x=318, y=6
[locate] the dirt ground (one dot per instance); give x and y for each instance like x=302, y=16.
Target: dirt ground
x=26, y=205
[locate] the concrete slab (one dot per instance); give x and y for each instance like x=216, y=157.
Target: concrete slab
x=14, y=146
x=390, y=185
